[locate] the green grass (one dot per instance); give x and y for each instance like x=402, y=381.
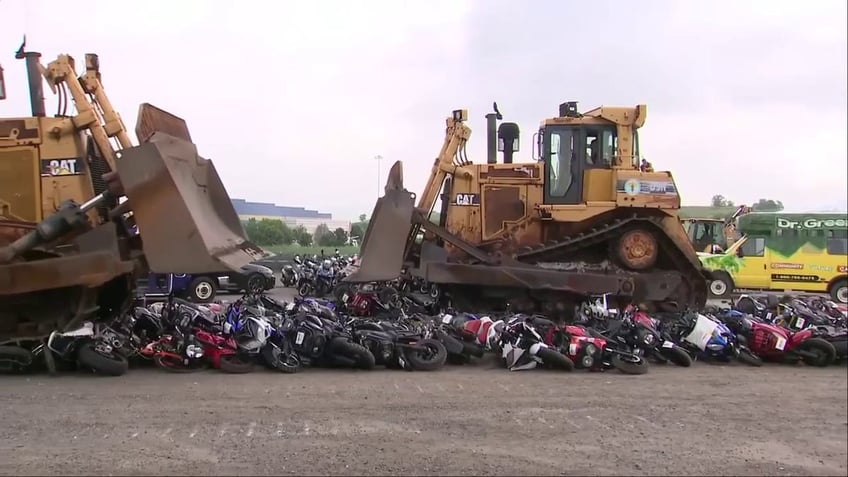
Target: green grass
x=289, y=251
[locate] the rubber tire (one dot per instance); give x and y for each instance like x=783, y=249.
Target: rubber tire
x=255, y=278
x=362, y=357
x=271, y=359
x=827, y=353
x=834, y=290
x=18, y=355
x=628, y=367
x=341, y=289
x=473, y=349
x=677, y=355
x=197, y=281
x=555, y=359
x=458, y=359
x=233, y=364
x=420, y=364
x=724, y=277
x=746, y=356
x=841, y=348
x=304, y=289
x=115, y=366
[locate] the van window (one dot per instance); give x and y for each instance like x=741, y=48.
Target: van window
x=837, y=246
x=754, y=247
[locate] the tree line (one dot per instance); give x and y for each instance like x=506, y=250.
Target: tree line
x=762, y=205
x=270, y=232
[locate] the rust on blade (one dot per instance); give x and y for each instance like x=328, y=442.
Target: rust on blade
x=152, y=119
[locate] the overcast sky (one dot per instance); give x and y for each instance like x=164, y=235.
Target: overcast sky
x=292, y=100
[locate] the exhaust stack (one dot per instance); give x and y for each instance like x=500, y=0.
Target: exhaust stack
x=492, y=135
x=508, y=140
x=36, y=86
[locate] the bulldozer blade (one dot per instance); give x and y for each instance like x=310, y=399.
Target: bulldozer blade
x=186, y=219
x=384, y=244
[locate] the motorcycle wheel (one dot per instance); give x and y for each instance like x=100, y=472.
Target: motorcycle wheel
x=677, y=355
x=281, y=360
x=304, y=289
x=234, y=364
x=458, y=359
x=629, y=367
x=473, y=349
x=362, y=358
x=112, y=365
x=746, y=356
x=174, y=365
x=430, y=360
x=14, y=359
x=552, y=357
x=824, y=351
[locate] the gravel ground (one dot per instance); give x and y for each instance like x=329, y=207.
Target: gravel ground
x=481, y=420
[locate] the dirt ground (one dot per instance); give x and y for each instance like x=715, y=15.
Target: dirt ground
x=472, y=420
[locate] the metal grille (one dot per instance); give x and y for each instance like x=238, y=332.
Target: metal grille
x=97, y=167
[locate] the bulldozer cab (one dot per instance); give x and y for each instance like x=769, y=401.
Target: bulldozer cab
x=569, y=152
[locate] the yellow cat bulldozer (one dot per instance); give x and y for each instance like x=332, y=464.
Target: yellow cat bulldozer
x=586, y=217
x=82, y=209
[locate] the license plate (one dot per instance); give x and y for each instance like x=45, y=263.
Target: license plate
x=447, y=319
x=344, y=296
x=799, y=322
x=781, y=343
x=668, y=344
x=299, y=338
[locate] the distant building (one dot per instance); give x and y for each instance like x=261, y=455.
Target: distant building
x=291, y=216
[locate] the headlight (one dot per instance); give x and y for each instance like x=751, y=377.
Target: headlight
x=590, y=349
x=194, y=351
x=645, y=337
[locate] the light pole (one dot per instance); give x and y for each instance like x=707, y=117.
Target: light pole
x=378, y=158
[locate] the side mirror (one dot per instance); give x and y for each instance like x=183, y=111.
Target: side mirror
x=2, y=85
x=537, y=150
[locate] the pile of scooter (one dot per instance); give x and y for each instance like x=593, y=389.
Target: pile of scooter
x=398, y=327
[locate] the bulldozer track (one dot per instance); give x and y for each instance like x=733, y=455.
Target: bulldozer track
x=605, y=233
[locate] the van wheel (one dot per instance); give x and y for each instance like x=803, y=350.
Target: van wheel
x=721, y=285
x=202, y=290
x=839, y=291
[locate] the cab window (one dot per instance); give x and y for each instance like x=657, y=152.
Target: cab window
x=561, y=153
x=601, y=146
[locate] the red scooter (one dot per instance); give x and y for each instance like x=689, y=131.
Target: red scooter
x=775, y=343
x=591, y=351
x=366, y=300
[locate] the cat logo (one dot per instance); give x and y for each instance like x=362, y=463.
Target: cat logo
x=467, y=199
x=632, y=187
x=61, y=167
